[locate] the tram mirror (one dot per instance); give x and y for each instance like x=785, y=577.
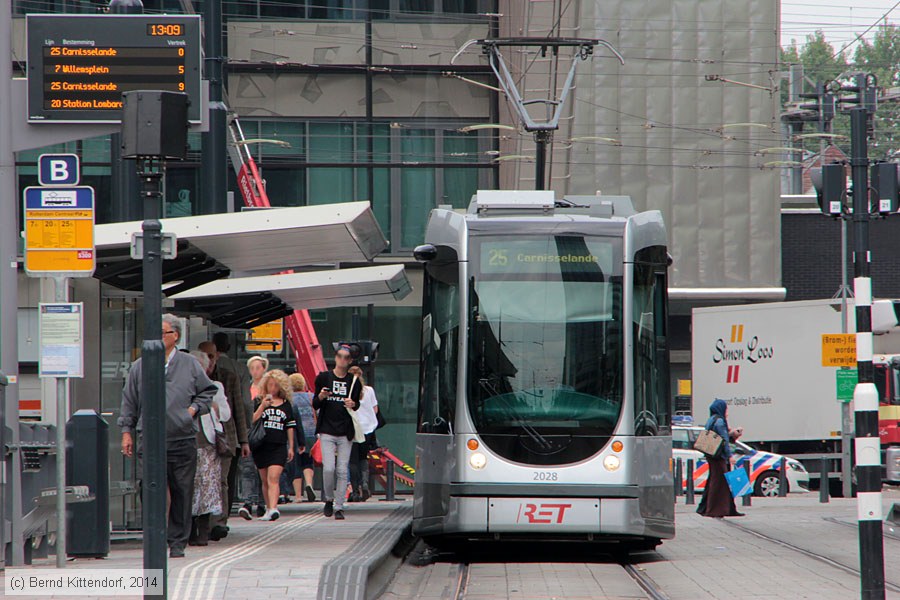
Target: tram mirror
x=425, y=253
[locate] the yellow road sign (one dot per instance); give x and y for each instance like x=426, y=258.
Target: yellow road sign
x=838, y=349
x=266, y=337
x=59, y=231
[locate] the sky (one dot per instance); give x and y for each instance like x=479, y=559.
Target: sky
x=841, y=20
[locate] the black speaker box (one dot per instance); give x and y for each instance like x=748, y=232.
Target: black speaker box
x=154, y=124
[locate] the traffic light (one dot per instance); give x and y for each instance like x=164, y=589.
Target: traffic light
x=363, y=352
x=884, y=181
x=824, y=106
x=831, y=188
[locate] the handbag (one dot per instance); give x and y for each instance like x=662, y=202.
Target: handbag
x=738, y=482
x=222, y=444
x=257, y=435
x=359, y=436
x=381, y=420
x=316, y=453
x=708, y=442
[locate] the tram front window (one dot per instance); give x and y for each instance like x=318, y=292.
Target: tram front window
x=546, y=345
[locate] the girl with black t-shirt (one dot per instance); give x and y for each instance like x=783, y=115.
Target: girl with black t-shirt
x=273, y=406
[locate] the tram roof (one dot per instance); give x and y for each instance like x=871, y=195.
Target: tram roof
x=211, y=247
x=242, y=301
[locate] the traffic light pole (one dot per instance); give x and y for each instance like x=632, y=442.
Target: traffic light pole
x=865, y=396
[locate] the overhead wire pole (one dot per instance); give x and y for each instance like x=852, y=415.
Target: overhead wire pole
x=542, y=130
x=865, y=396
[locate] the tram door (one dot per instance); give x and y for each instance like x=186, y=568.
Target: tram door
x=439, y=365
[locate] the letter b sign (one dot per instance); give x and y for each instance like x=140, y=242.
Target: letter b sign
x=58, y=169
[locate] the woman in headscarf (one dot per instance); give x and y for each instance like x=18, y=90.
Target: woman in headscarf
x=717, y=500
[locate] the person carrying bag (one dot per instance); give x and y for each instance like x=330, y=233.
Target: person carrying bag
x=717, y=499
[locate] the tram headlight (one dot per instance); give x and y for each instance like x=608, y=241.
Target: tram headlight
x=611, y=463
x=477, y=460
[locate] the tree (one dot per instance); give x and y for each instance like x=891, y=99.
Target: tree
x=882, y=58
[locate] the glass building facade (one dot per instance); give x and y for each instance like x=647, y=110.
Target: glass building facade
x=346, y=100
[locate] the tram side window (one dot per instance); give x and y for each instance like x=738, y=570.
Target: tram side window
x=440, y=343
x=651, y=374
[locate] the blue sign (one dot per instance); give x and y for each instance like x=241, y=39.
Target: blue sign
x=67, y=198
x=58, y=169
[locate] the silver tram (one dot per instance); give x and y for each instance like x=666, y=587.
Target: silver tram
x=544, y=386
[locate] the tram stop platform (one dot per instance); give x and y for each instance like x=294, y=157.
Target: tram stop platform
x=302, y=555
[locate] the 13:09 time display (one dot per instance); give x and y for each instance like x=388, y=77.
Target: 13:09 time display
x=165, y=29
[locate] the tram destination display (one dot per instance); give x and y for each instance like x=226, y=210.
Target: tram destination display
x=79, y=65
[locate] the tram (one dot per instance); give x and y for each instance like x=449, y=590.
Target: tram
x=544, y=386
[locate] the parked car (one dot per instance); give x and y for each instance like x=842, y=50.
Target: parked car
x=764, y=466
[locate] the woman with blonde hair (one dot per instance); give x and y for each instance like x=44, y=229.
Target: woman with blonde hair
x=302, y=468
x=273, y=407
x=250, y=484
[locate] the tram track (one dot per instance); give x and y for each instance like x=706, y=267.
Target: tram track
x=855, y=527
x=638, y=575
x=809, y=553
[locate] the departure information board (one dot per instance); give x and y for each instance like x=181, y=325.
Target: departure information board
x=79, y=65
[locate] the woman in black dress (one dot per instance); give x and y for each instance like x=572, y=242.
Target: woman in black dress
x=273, y=406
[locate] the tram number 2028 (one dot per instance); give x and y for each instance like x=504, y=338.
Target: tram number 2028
x=546, y=476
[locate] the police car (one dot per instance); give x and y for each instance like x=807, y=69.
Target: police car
x=764, y=466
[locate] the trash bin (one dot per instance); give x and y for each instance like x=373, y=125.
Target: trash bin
x=87, y=463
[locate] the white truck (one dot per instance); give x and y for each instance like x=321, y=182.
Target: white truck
x=765, y=361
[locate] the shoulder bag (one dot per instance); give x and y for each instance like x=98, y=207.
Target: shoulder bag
x=257, y=434
x=709, y=442
x=359, y=436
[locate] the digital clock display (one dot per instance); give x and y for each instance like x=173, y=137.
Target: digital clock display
x=165, y=29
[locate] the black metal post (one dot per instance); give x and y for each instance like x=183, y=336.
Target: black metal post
x=746, y=498
x=679, y=489
x=823, y=480
x=153, y=385
x=213, y=158
x=782, y=478
x=540, y=161
x=865, y=396
x=389, y=482
x=689, y=493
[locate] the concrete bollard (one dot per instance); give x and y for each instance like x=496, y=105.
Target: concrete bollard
x=782, y=478
x=823, y=480
x=689, y=494
x=746, y=499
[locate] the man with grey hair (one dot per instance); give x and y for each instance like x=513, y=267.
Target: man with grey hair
x=189, y=393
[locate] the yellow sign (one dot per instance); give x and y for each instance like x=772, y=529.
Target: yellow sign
x=266, y=337
x=684, y=387
x=59, y=231
x=838, y=349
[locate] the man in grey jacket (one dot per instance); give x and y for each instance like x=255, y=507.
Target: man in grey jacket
x=189, y=393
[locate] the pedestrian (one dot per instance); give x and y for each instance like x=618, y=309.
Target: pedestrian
x=302, y=474
x=251, y=486
x=189, y=393
x=207, y=498
x=257, y=365
x=717, y=500
x=275, y=411
x=359, y=455
x=235, y=430
x=337, y=392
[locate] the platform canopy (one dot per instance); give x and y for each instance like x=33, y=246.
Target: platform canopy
x=245, y=302
x=211, y=247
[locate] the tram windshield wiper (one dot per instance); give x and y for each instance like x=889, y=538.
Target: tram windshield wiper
x=511, y=414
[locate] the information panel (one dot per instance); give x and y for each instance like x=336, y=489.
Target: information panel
x=79, y=65
x=62, y=340
x=59, y=231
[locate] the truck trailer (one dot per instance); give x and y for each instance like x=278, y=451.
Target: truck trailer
x=765, y=362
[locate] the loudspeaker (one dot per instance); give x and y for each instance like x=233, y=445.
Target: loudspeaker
x=154, y=124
